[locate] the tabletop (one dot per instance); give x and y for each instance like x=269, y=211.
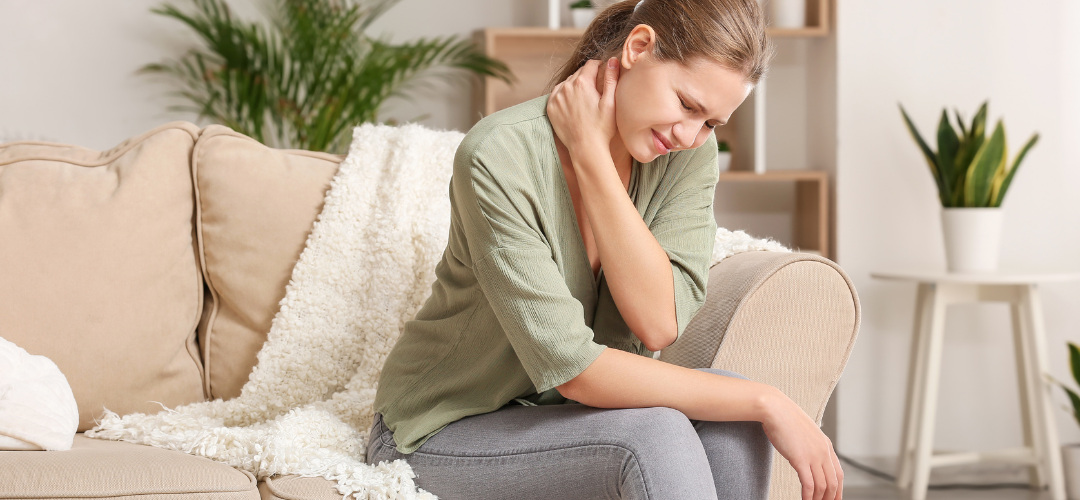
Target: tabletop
x=1003, y=277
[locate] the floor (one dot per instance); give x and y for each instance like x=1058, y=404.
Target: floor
x=867, y=487
x=890, y=493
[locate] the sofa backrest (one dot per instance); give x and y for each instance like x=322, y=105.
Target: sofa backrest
x=255, y=207
x=150, y=273
x=98, y=268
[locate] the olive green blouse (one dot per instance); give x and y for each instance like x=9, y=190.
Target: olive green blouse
x=515, y=309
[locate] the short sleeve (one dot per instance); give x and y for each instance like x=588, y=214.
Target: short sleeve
x=513, y=265
x=685, y=227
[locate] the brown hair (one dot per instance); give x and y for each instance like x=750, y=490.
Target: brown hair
x=730, y=32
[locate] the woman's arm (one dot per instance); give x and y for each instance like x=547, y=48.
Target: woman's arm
x=636, y=267
x=618, y=379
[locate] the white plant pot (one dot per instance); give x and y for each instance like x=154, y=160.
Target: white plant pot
x=1070, y=460
x=788, y=13
x=582, y=17
x=723, y=160
x=972, y=238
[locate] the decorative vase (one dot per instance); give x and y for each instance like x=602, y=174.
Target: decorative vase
x=1070, y=461
x=972, y=238
x=723, y=160
x=788, y=13
x=582, y=17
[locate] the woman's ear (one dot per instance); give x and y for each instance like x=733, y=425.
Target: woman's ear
x=639, y=43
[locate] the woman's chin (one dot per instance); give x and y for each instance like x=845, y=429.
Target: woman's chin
x=650, y=156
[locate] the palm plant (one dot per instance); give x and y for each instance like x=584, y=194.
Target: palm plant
x=969, y=170
x=308, y=77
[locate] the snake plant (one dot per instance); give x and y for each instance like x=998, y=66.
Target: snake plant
x=1074, y=367
x=969, y=169
x=306, y=78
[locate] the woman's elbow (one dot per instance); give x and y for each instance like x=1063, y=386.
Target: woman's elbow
x=661, y=337
x=572, y=389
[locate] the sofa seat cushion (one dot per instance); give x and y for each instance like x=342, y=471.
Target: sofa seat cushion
x=298, y=488
x=110, y=469
x=98, y=267
x=255, y=208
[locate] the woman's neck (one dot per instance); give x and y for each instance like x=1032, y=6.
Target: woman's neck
x=619, y=155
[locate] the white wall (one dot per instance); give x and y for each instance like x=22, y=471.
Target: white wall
x=66, y=69
x=66, y=74
x=67, y=66
x=1024, y=57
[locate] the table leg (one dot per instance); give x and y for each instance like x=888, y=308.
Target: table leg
x=941, y=295
x=919, y=338
x=1027, y=402
x=1042, y=416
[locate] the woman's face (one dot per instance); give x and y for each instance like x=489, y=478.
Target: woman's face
x=662, y=107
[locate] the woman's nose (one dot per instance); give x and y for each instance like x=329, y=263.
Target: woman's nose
x=686, y=133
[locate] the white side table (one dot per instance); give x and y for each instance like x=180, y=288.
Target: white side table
x=936, y=290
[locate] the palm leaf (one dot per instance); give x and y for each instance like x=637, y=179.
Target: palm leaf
x=308, y=77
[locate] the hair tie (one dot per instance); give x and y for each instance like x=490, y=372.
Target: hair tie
x=638, y=5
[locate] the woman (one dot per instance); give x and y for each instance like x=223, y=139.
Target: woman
x=580, y=238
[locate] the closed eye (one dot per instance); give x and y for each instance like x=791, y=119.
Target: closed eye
x=688, y=108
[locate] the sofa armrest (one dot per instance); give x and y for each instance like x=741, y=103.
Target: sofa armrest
x=785, y=319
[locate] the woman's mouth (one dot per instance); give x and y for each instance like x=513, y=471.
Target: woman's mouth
x=658, y=143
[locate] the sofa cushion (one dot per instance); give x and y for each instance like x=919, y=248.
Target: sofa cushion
x=298, y=488
x=99, y=267
x=255, y=208
x=111, y=469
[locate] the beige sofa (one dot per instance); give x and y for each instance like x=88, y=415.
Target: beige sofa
x=149, y=273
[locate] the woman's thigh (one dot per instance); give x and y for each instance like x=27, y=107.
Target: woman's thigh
x=567, y=451
x=575, y=451
x=740, y=454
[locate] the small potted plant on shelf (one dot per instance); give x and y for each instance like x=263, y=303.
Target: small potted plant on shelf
x=723, y=155
x=972, y=174
x=582, y=12
x=1070, y=453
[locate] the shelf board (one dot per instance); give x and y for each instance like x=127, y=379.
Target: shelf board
x=772, y=176
x=810, y=229
x=817, y=25
x=532, y=32
x=808, y=32
x=539, y=31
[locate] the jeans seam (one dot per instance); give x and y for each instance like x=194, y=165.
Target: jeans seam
x=633, y=454
x=384, y=430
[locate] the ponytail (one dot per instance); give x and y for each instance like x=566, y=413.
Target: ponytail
x=730, y=32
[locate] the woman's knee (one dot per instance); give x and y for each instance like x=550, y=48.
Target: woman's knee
x=741, y=457
x=666, y=458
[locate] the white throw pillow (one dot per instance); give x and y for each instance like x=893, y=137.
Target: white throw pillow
x=37, y=408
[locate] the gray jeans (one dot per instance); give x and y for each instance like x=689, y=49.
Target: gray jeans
x=573, y=451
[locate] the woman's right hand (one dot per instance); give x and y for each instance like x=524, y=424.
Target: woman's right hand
x=798, y=438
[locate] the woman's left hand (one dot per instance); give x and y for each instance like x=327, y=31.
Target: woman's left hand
x=581, y=116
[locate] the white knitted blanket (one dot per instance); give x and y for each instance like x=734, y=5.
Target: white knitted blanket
x=367, y=267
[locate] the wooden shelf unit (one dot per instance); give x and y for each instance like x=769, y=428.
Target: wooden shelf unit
x=534, y=54
x=810, y=224
x=817, y=22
